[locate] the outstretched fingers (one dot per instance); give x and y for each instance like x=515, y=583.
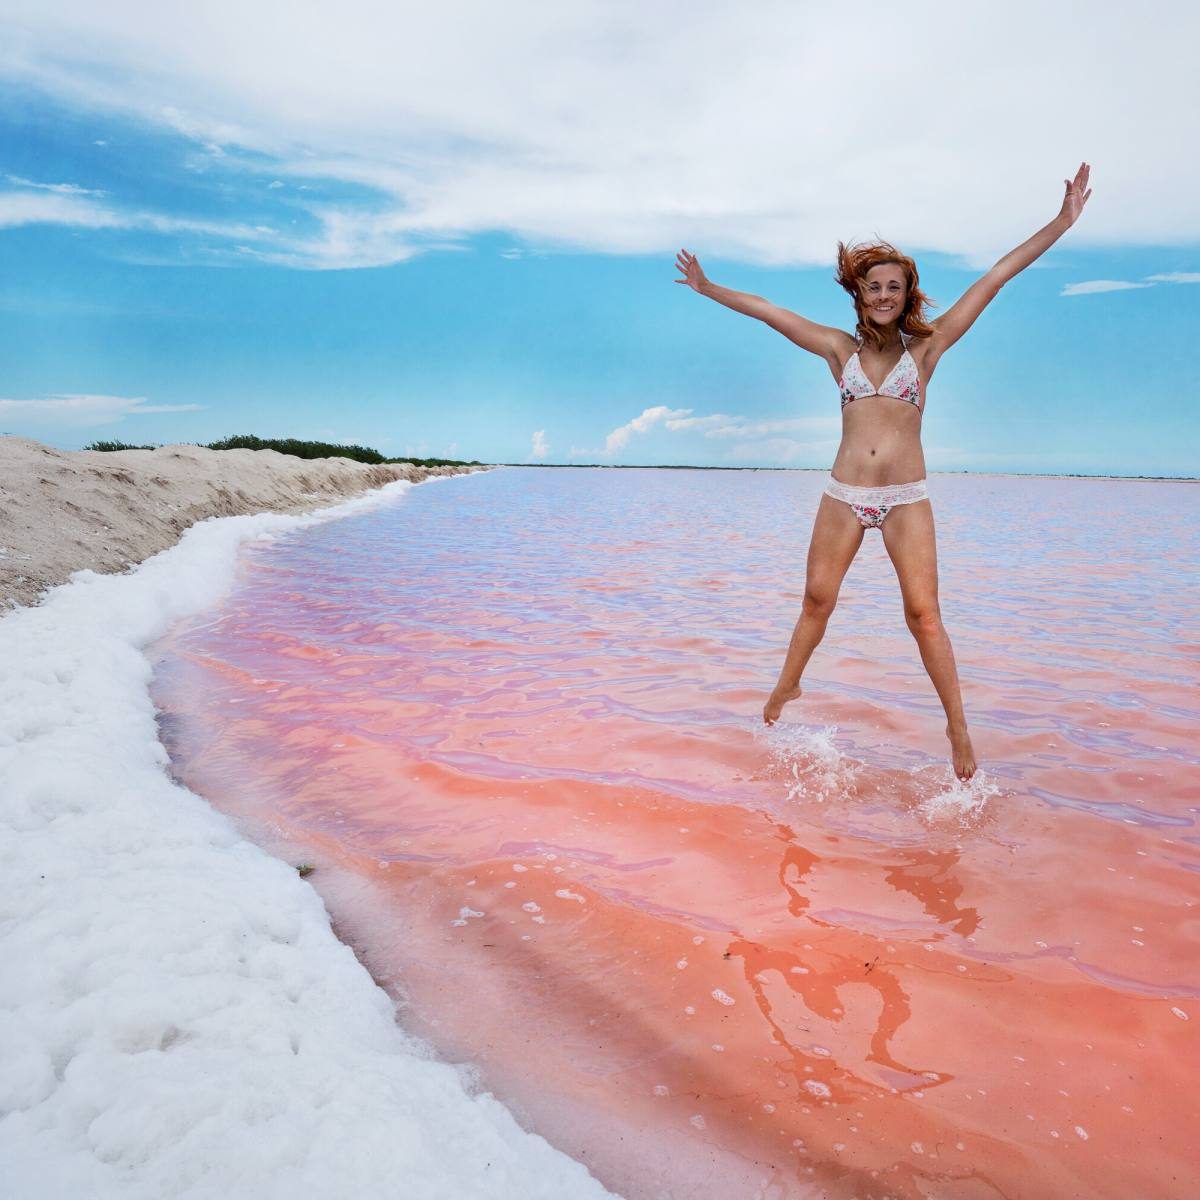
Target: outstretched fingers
x=1077, y=191
x=688, y=265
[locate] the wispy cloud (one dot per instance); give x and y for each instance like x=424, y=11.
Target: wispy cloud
x=1119, y=285
x=575, y=125
x=81, y=410
x=539, y=449
x=59, y=208
x=65, y=189
x=33, y=208
x=1100, y=285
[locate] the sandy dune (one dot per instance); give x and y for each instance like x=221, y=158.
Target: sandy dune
x=61, y=511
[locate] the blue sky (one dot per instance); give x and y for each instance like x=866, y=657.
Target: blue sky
x=370, y=228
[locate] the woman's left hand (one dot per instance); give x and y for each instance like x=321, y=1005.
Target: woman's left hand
x=1077, y=194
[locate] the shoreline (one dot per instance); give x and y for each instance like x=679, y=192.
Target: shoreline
x=63, y=511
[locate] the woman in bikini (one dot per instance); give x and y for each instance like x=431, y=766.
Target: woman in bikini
x=878, y=477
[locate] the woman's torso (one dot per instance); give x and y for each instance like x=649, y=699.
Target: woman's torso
x=881, y=435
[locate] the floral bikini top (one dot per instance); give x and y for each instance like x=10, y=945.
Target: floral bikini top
x=903, y=382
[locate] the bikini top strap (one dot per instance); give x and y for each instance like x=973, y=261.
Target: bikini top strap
x=905, y=338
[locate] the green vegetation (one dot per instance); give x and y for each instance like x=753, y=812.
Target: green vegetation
x=302, y=449
x=298, y=448
x=116, y=446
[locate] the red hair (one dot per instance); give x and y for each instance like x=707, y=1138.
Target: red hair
x=853, y=263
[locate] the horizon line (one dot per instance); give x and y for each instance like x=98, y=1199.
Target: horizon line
x=675, y=466
x=825, y=470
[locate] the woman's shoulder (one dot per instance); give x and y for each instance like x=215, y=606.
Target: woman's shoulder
x=922, y=351
x=917, y=343
x=842, y=346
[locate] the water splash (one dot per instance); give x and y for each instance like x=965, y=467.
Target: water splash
x=953, y=801
x=810, y=762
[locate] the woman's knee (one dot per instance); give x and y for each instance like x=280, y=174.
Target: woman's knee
x=924, y=621
x=819, y=602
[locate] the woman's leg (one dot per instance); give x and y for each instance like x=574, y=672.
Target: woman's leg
x=909, y=538
x=836, y=538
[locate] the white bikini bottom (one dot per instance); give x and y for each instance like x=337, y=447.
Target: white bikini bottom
x=872, y=504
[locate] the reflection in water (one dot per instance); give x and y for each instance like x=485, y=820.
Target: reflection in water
x=513, y=721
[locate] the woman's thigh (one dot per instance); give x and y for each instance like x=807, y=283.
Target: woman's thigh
x=836, y=537
x=908, y=536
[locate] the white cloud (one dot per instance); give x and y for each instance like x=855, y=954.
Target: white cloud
x=618, y=126
x=1119, y=285
x=82, y=410
x=1100, y=285
x=57, y=208
x=699, y=424
x=30, y=208
x=540, y=449
x=752, y=440
x=66, y=189
x=619, y=438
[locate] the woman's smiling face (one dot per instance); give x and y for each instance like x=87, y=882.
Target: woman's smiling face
x=884, y=292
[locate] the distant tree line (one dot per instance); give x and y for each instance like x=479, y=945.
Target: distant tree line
x=300, y=449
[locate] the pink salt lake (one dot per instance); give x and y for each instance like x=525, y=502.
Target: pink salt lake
x=514, y=721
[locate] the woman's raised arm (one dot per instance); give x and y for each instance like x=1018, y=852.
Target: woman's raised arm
x=822, y=340
x=957, y=319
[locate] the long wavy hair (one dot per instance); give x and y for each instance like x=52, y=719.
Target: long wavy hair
x=854, y=261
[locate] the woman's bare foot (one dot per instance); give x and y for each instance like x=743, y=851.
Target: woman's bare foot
x=962, y=751
x=774, y=706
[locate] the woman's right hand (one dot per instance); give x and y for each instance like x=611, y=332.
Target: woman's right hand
x=688, y=266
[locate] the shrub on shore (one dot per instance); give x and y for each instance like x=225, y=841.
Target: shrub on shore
x=116, y=446
x=301, y=449
x=298, y=448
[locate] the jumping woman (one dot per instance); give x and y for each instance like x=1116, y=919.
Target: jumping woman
x=878, y=476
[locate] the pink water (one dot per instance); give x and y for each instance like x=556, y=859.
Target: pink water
x=514, y=722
